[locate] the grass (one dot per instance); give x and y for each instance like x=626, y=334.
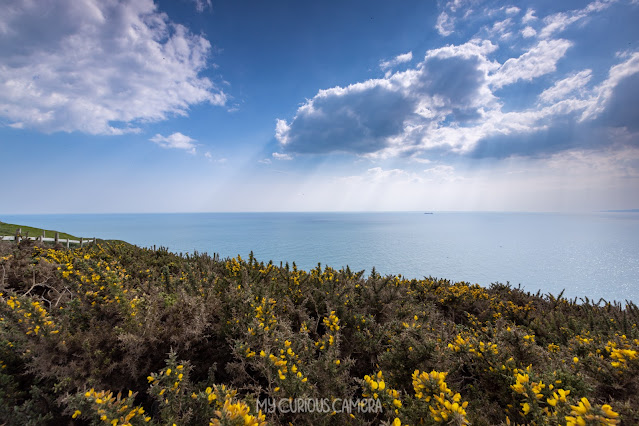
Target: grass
x=10, y=229
x=116, y=334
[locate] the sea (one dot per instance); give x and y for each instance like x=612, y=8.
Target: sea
x=594, y=255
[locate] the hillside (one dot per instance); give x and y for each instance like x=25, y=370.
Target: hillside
x=116, y=334
x=10, y=229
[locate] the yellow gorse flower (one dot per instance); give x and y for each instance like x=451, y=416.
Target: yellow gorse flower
x=444, y=404
x=584, y=413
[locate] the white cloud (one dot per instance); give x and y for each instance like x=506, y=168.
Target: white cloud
x=539, y=60
x=280, y=156
x=529, y=16
x=501, y=28
x=512, y=10
x=448, y=103
x=473, y=48
x=560, y=21
x=565, y=87
x=528, y=32
x=604, y=91
x=382, y=117
x=176, y=141
x=380, y=176
x=202, y=5
x=557, y=22
x=212, y=159
x=612, y=163
x=281, y=131
x=399, y=59
x=453, y=5
x=441, y=173
x=355, y=118
x=98, y=67
x=445, y=24
x=496, y=22
x=420, y=160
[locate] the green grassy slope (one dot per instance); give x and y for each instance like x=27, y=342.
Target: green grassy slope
x=10, y=229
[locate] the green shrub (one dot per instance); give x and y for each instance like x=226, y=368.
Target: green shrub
x=117, y=334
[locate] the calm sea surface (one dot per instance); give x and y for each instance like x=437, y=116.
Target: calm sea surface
x=594, y=255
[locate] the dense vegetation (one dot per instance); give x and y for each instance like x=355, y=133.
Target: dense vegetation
x=116, y=334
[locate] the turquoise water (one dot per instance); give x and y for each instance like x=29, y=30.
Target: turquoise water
x=594, y=255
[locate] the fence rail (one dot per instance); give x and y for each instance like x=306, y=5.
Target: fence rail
x=19, y=237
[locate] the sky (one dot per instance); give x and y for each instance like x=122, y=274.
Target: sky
x=111, y=106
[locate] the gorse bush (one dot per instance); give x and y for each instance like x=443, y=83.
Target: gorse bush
x=116, y=334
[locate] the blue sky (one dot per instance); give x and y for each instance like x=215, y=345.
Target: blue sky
x=196, y=105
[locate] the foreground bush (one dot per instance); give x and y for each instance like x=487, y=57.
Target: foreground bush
x=115, y=334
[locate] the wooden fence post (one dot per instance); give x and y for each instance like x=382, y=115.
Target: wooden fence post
x=81, y=242
x=44, y=235
x=18, y=232
x=67, y=242
x=56, y=238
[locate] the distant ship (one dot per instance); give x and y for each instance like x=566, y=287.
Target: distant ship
x=428, y=213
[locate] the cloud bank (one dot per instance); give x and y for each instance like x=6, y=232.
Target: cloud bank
x=455, y=101
x=98, y=67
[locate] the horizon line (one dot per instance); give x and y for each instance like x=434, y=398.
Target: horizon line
x=322, y=211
